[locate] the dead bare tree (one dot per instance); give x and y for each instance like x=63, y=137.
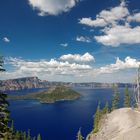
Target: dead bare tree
x=137, y=89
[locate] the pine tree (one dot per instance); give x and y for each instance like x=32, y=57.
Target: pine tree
x=126, y=98
x=6, y=132
x=97, y=118
x=4, y=113
x=5, y=137
x=1, y=64
x=12, y=126
x=38, y=137
x=28, y=135
x=115, y=98
x=106, y=109
x=17, y=135
x=24, y=135
x=79, y=135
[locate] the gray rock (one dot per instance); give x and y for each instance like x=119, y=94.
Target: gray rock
x=121, y=124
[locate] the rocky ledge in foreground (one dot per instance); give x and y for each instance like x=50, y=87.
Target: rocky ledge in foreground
x=121, y=124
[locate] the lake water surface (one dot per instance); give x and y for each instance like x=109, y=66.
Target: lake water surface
x=61, y=120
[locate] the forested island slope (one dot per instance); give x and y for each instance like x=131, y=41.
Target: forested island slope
x=54, y=94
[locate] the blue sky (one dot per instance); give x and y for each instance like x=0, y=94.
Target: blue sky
x=70, y=40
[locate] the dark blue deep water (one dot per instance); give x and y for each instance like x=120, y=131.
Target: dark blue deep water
x=60, y=120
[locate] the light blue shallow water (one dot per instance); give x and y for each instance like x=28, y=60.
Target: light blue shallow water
x=61, y=120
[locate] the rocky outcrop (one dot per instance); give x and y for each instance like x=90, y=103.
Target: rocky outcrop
x=22, y=83
x=121, y=124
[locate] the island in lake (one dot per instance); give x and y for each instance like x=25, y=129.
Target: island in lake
x=54, y=94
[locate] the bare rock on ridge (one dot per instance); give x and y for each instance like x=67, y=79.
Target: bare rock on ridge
x=121, y=124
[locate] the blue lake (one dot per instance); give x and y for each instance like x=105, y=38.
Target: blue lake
x=60, y=120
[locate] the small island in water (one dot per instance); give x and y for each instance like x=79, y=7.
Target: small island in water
x=54, y=94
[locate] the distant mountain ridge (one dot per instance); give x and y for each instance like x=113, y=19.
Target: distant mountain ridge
x=35, y=82
x=22, y=83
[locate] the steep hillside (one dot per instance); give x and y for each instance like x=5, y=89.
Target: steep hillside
x=121, y=124
x=54, y=94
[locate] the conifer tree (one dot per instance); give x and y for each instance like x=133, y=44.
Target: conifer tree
x=12, y=126
x=97, y=118
x=24, y=135
x=28, y=135
x=6, y=132
x=1, y=64
x=17, y=135
x=4, y=113
x=115, y=98
x=106, y=108
x=79, y=135
x=38, y=137
x=126, y=98
x=5, y=137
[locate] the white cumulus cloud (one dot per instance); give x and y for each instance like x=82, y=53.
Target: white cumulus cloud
x=118, y=35
x=115, y=26
x=42, y=68
x=98, y=22
x=70, y=71
x=106, y=17
x=52, y=7
x=128, y=63
x=78, y=58
x=83, y=39
x=134, y=17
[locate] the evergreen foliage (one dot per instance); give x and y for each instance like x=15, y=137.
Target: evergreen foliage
x=126, y=98
x=79, y=135
x=24, y=135
x=115, y=98
x=115, y=104
x=12, y=126
x=105, y=109
x=4, y=115
x=28, y=136
x=97, y=118
x=38, y=137
x=54, y=94
x=8, y=132
x=1, y=64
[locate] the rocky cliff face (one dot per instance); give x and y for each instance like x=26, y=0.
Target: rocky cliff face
x=22, y=83
x=121, y=124
x=35, y=82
